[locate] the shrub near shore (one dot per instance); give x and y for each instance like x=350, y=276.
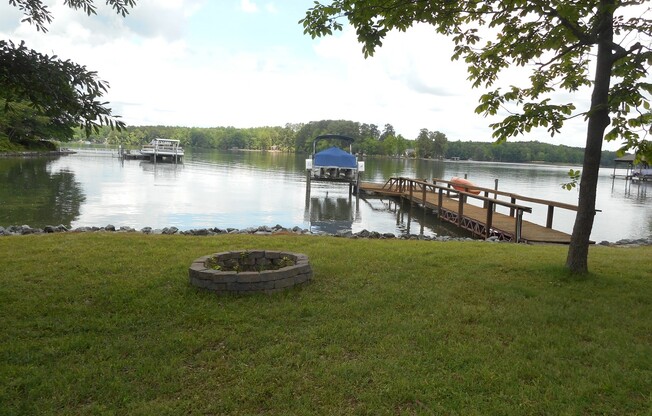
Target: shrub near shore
x=107, y=323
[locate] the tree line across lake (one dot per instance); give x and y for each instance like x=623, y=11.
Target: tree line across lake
x=369, y=139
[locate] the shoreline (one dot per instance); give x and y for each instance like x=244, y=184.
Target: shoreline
x=36, y=153
x=15, y=230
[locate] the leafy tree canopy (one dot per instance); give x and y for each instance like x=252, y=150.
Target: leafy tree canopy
x=66, y=93
x=604, y=45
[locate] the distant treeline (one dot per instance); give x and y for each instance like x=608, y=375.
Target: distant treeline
x=523, y=152
x=369, y=139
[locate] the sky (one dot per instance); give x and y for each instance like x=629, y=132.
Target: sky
x=247, y=63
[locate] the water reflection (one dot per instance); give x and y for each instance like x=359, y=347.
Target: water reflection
x=249, y=189
x=331, y=212
x=33, y=195
x=162, y=170
x=414, y=220
x=259, y=161
x=635, y=191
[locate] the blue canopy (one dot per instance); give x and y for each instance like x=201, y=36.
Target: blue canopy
x=335, y=157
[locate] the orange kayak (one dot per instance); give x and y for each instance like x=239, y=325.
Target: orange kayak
x=464, y=185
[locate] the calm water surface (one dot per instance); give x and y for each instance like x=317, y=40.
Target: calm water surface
x=249, y=189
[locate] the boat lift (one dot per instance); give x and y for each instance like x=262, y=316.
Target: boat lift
x=334, y=164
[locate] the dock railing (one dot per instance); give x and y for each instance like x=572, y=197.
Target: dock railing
x=96, y=152
x=489, y=197
x=401, y=184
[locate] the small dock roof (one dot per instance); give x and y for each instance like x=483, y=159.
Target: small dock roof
x=627, y=158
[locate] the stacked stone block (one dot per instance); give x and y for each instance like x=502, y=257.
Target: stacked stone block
x=257, y=271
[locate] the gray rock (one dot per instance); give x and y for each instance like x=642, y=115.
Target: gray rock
x=170, y=230
x=26, y=230
x=266, y=230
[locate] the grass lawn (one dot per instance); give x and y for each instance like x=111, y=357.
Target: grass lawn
x=107, y=324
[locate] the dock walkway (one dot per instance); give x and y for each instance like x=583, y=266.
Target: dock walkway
x=483, y=221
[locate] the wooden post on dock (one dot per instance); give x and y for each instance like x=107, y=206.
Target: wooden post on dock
x=490, y=216
x=440, y=201
x=423, y=200
x=495, y=188
x=460, y=208
x=551, y=211
x=308, y=175
x=519, y=225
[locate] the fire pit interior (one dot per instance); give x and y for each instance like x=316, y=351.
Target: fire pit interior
x=250, y=271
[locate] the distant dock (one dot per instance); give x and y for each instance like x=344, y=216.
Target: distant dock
x=158, y=150
x=452, y=205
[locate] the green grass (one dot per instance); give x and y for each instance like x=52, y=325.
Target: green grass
x=108, y=324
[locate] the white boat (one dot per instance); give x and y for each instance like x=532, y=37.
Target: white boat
x=158, y=149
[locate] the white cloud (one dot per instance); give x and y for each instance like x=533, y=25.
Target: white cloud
x=248, y=6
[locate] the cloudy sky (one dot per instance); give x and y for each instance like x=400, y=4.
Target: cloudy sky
x=247, y=63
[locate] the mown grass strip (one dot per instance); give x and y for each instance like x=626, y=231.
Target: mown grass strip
x=107, y=323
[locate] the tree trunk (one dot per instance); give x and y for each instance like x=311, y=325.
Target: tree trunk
x=578, y=251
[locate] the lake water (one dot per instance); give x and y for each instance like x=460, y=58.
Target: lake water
x=250, y=189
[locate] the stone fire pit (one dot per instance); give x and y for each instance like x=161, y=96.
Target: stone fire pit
x=250, y=271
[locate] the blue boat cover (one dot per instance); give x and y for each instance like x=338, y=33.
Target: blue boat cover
x=336, y=157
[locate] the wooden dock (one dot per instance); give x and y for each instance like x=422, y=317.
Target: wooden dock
x=483, y=221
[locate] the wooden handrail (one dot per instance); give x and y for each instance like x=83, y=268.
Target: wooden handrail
x=517, y=197
x=435, y=187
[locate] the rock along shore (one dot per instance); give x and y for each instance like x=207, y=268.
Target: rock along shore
x=264, y=230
